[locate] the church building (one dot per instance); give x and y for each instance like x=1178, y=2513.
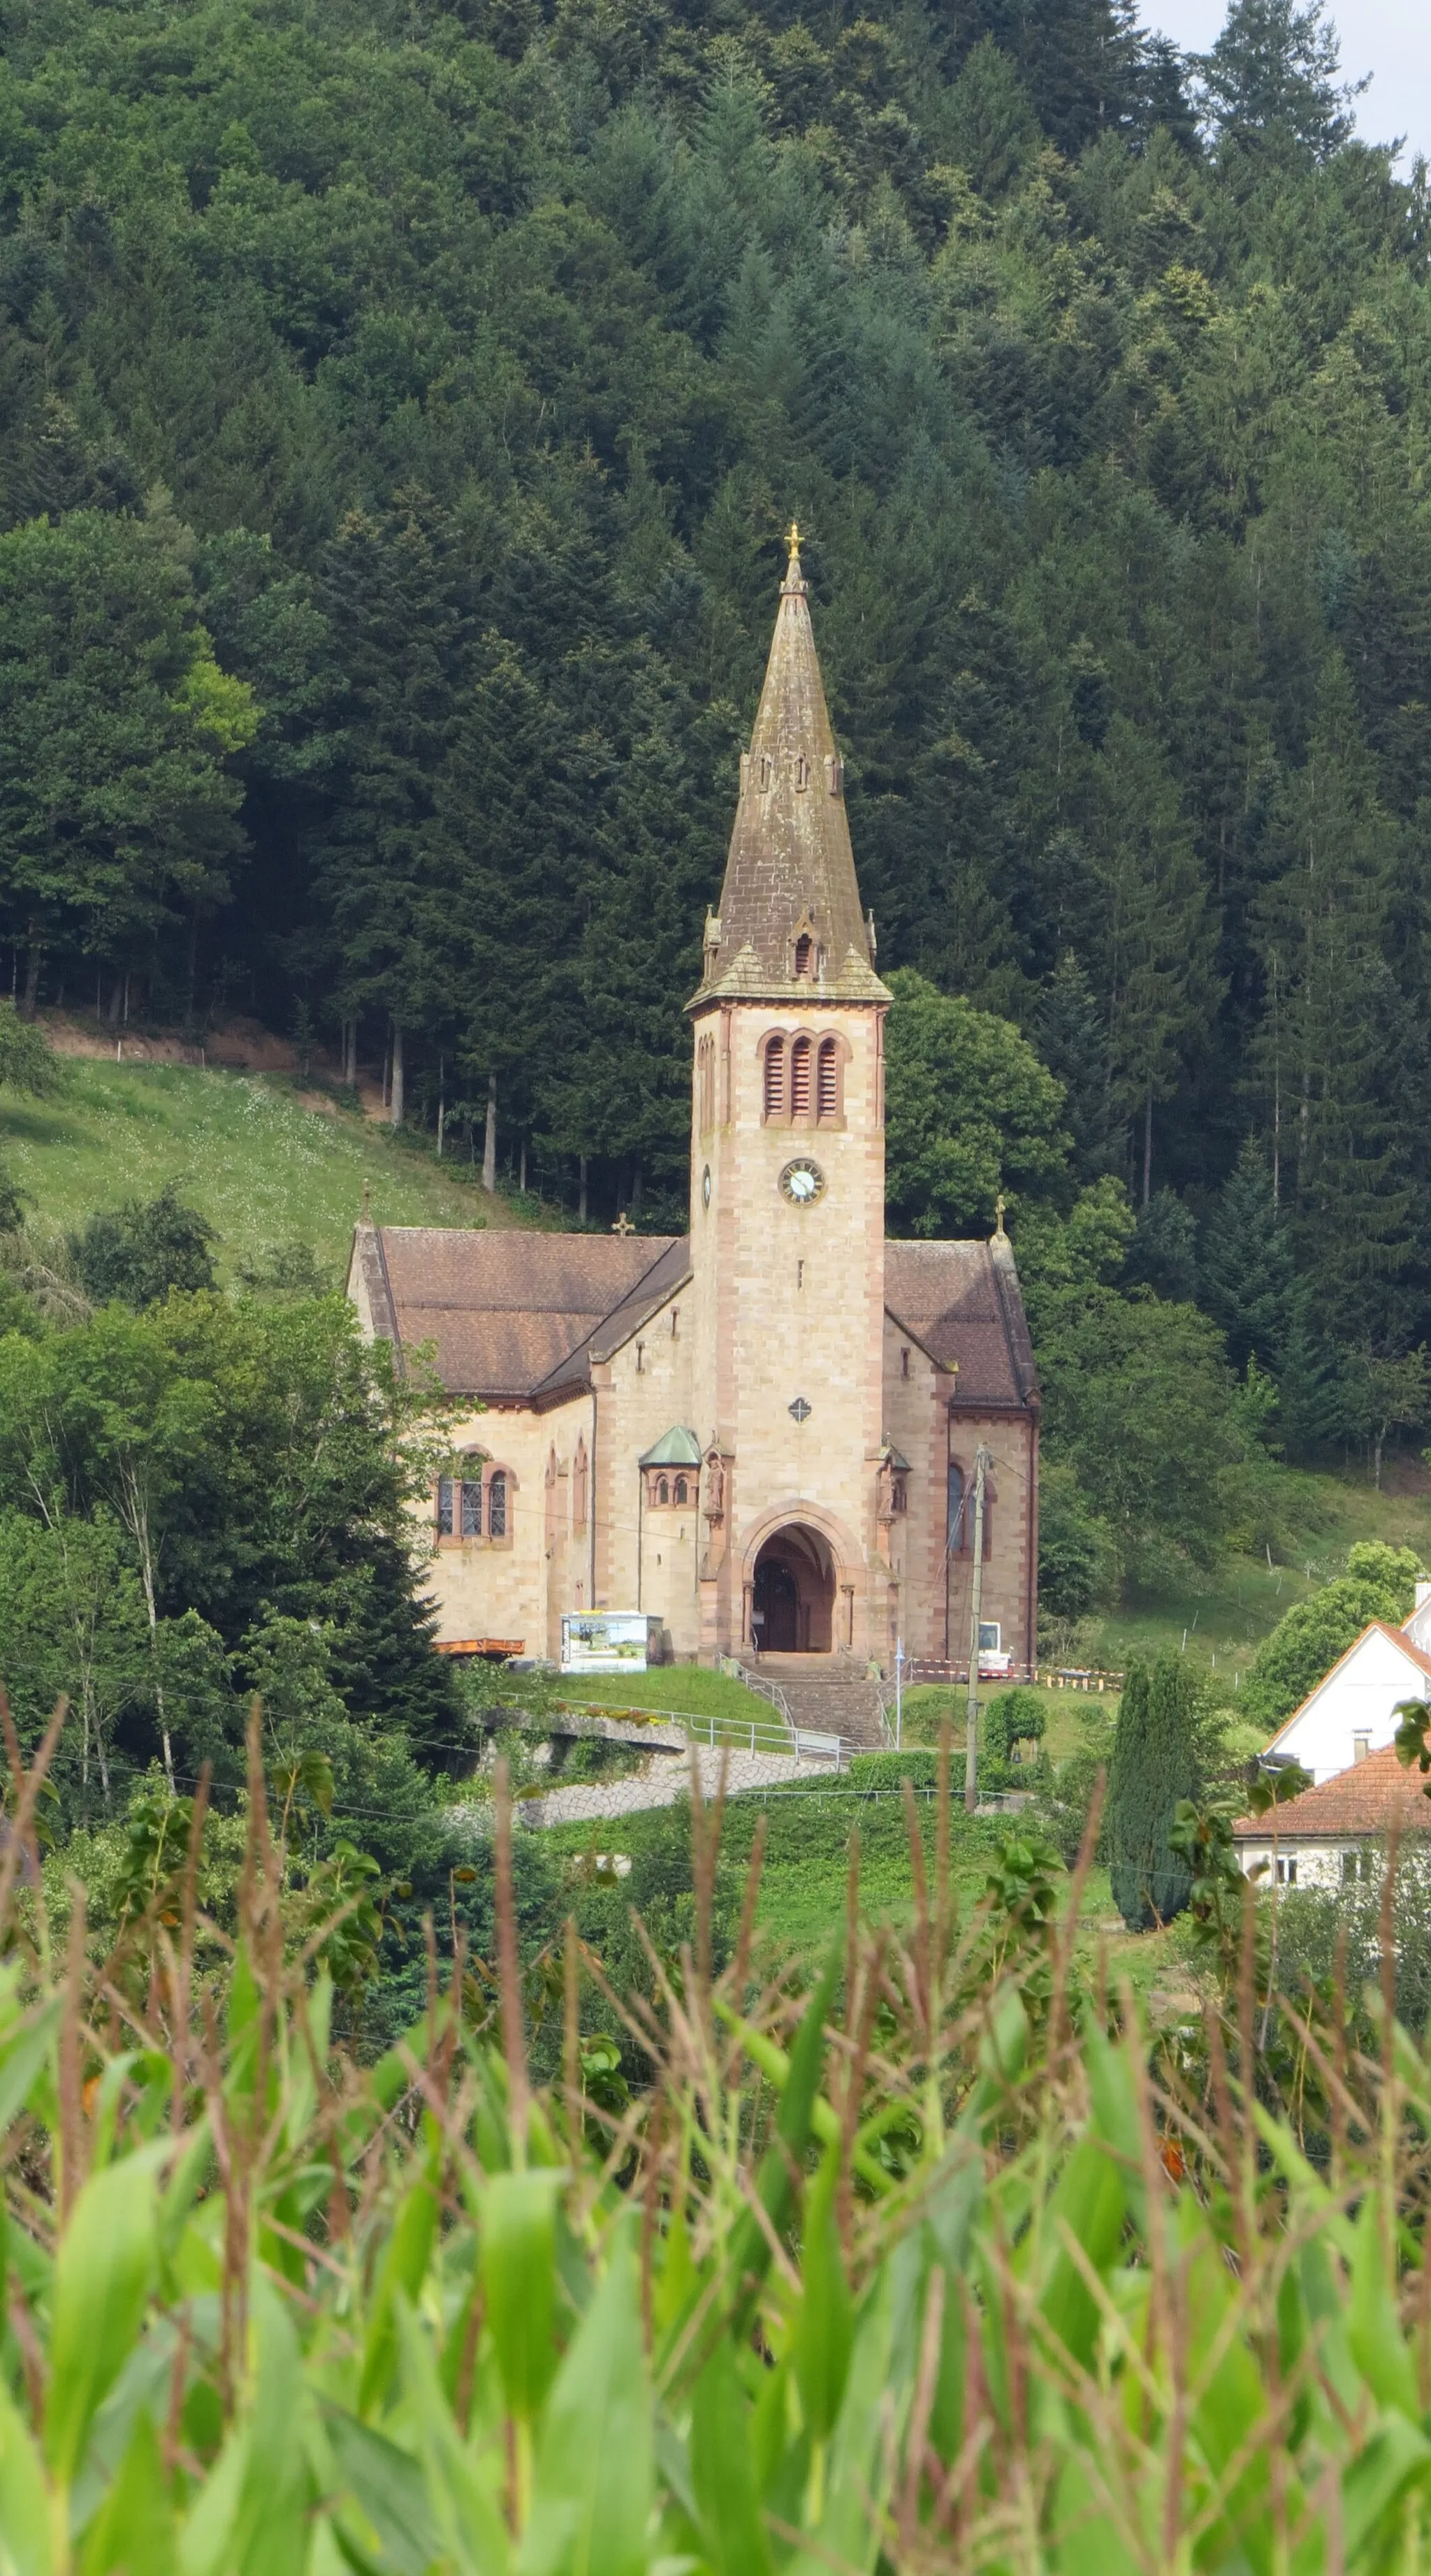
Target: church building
x=763, y=1432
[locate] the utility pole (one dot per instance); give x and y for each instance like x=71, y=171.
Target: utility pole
x=982, y=1463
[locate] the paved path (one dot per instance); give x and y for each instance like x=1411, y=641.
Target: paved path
x=592, y=1801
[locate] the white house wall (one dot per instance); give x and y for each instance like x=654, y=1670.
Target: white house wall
x=1358, y=1697
x=1316, y=1864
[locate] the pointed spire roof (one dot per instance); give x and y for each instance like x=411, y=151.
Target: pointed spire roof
x=790, y=872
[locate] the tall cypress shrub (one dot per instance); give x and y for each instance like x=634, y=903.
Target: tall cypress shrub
x=1154, y=1765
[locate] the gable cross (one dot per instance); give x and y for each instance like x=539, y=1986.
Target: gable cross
x=623, y=1225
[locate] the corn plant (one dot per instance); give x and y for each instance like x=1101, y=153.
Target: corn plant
x=928, y=2257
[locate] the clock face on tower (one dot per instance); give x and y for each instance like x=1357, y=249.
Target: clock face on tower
x=803, y=1181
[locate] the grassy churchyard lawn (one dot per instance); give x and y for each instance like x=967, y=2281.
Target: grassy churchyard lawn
x=682, y=1689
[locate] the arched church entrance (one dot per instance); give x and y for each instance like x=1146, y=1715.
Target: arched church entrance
x=793, y=1596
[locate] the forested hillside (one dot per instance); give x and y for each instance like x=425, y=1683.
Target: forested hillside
x=399, y=410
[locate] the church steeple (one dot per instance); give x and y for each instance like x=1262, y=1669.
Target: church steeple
x=790, y=915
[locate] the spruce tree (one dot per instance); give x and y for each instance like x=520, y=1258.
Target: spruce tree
x=1154, y=1765
x=1273, y=73
x=1159, y=928
x=1071, y=1035
x=393, y=591
x=1328, y=1038
x=1247, y=1274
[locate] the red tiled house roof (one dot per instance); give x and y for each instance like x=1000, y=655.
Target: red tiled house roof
x=1374, y=1797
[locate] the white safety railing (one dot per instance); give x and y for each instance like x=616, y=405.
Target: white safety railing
x=742, y=1734
x=768, y=1690
x=779, y=1734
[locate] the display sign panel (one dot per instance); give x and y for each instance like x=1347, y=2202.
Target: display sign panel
x=608, y=1641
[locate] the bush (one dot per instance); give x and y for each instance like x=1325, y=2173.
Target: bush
x=1379, y=1583
x=135, y=1254
x=926, y=1709
x=1061, y=1808
x=917, y=1763
x=28, y=1062
x=1018, y=1716
x=1313, y=1923
x=1078, y=1560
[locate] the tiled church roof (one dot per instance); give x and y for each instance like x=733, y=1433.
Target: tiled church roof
x=512, y=1316
x=961, y=1303
x=520, y=1318
x=790, y=865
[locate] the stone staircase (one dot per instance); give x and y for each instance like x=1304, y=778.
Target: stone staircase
x=826, y=1698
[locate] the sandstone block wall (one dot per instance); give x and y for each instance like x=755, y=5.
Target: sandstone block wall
x=788, y=1307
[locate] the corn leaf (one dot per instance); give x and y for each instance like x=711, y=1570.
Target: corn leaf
x=389, y=2490
x=26, y=2525
x=824, y=2325
x=595, y=2468
x=103, y=2273
x=134, y=2528
x=723, y=2471
x=518, y=2265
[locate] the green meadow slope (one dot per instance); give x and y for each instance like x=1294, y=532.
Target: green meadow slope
x=262, y=1166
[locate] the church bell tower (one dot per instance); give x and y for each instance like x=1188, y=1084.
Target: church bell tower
x=787, y=1196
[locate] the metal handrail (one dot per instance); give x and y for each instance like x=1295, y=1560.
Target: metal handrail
x=771, y=1691
x=763, y=1737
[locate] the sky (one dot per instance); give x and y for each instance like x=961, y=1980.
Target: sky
x=1389, y=38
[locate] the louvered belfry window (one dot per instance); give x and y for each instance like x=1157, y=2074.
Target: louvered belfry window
x=775, y=1078
x=800, y=1078
x=827, y=1079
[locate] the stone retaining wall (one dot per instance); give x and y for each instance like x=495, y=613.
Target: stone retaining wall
x=594, y=1801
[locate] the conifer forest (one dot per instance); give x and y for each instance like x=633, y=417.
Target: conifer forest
x=399, y=414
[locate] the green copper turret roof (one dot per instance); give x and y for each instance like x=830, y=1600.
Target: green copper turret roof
x=675, y=1448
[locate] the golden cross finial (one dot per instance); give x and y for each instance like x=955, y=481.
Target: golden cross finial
x=623, y=1225
x=792, y=538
